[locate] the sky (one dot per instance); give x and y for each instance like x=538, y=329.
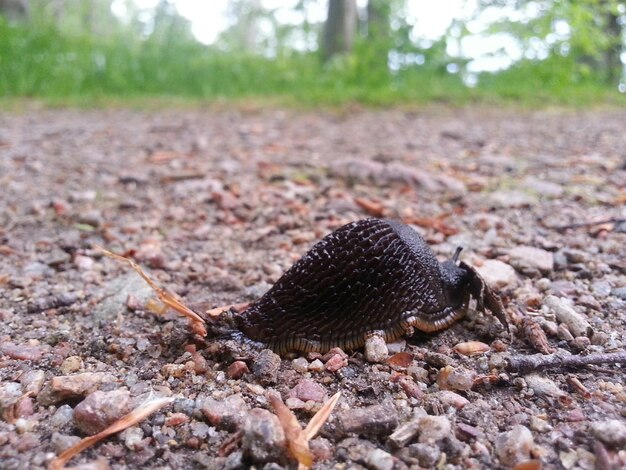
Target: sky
x=432, y=18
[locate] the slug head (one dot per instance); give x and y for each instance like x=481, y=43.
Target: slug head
x=462, y=281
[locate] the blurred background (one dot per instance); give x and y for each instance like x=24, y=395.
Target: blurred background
x=316, y=51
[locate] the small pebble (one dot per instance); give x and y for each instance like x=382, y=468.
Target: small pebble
x=62, y=416
x=132, y=437
x=308, y=390
x=316, y=366
x=300, y=365
x=265, y=367
x=514, y=446
x=434, y=428
x=376, y=349
x=378, y=459
x=227, y=414
x=61, y=442
x=426, y=454
x=100, y=409
x=376, y=420
x=263, y=438
x=71, y=364
x=237, y=369
x=497, y=274
x=611, y=432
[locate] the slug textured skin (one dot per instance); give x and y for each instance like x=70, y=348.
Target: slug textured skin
x=370, y=276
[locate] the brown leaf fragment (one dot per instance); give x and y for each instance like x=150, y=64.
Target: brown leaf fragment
x=137, y=415
x=400, y=360
x=168, y=298
x=529, y=465
x=536, y=336
x=436, y=223
x=374, y=208
x=217, y=311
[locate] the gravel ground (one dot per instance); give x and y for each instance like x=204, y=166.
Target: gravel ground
x=218, y=203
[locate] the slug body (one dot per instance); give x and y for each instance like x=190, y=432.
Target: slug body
x=372, y=276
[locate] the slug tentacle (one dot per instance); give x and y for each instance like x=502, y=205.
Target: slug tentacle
x=369, y=275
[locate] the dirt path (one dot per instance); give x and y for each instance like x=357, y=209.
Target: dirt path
x=218, y=204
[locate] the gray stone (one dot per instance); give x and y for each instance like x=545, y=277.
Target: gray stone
x=61, y=442
x=378, y=459
x=514, y=446
x=497, y=274
x=62, y=416
x=426, y=454
x=531, y=260
x=263, y=437
x=227, y=414
x=265, y=367
x=619, y=292
x=376, y=420
x=612, y=432
x=510, y=199
x=434, y=428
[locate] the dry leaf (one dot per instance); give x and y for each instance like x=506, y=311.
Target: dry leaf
x=137, y=415
x=436, y=223
x=536, y=336
x=400, y=360
x=528, y=465
x=168, y=298
x=217, y=311
x=371, y=207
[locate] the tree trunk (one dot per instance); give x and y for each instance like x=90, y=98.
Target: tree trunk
x=14, y=9
x=340, y=28
x=612, y=56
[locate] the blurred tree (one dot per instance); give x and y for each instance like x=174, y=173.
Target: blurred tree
x=14, y=9
x=340, y=28
x=589, y=31
x=243, y=35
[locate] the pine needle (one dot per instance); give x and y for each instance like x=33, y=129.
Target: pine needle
x=168, y=298
x=138, y=414
x=298, y=438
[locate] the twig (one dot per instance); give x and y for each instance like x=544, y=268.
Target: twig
x=560, y=228
x=539, y=361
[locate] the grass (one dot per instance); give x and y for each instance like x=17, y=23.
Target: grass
x=59, y=69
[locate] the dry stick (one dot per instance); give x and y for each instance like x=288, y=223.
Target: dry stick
x=525, y=364
x=560, y=228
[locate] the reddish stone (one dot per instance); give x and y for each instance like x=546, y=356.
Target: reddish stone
x=237, y=369
x=336, y=362
x=308, y=390
x=176, y=419
x=410, y=387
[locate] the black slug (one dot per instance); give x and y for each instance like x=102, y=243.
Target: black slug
x=368, y=277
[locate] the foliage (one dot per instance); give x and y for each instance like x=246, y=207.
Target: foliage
x=70, y=59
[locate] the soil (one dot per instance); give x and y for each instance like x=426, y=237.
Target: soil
x=217, y=204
